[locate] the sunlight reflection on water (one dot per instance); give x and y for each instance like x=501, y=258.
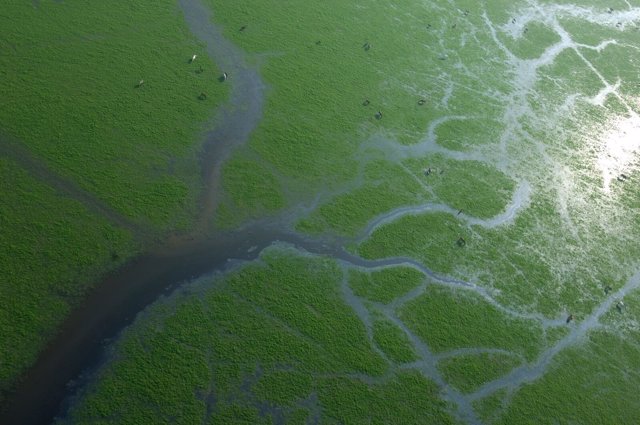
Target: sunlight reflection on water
x=619, y=149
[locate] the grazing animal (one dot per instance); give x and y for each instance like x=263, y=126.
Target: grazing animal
x=570, y=318
x=242, y=28
x=422, y=102
x=224, y=76
x=140, y=83
x=366, y=102
x=379, y=115
x=193, y=58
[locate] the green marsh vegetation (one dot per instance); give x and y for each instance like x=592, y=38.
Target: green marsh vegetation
x=327, y=80
x=387, y=186
x=70, y=99
x=386, y=284
x=473, y=187
x=468, y=186
x=504, y=108
x=409, y=398
x=261, y=188
x=539, y=37
x=558, y=253
x=593, y=383
x=271, y=340
x=430, y=237
x=69, y=89
x=508, y=265
x=52, y=249
x=457, y=319
x=466, y=134
x=390, y=339
x=319, y=123
x=468, y=372
x=490, y=408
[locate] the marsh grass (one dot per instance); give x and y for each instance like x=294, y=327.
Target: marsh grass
x=468, y=372
x=474, y=187
x=536, y=37
x=591, y=384
x=386, y=284
x=283, y=388
x=274, y=331
x=407, y=398
x=261, y=189
x=393, y=341
x=446, y=320
x=54, y=249
x=429, y=237
x=525, y=279
x=321, y=74
x=69, y=94
x=386, y=186
x=274, y=340
x=489, y=408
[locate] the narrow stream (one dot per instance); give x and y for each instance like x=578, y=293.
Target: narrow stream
x=238, y=117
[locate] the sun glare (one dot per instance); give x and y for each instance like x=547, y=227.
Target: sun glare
x=619, y=148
